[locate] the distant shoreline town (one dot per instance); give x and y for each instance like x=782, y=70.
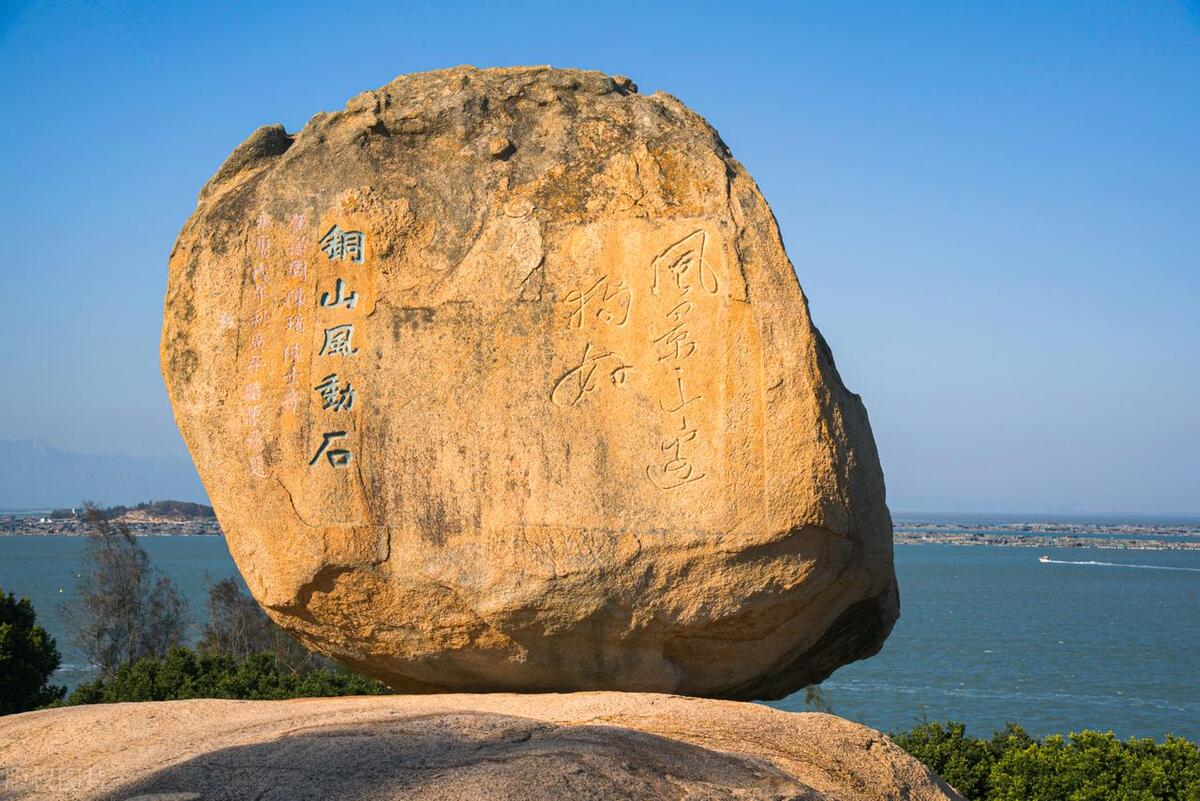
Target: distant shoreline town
x=150, y=519
x=1122, y=536
x=180, y=518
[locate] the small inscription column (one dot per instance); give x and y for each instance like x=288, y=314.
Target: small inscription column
x=252, y=388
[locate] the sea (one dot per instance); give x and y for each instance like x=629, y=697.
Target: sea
x=1091, y=639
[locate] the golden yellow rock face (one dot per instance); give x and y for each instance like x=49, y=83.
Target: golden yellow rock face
x=502, y=380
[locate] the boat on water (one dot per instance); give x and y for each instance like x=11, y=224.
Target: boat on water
x=1043, y=558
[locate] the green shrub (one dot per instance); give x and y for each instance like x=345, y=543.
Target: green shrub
x=1088, y=766
x=28, y=657
x=184, y=673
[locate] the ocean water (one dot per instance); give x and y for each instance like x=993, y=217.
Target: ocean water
x=1099, y=639
x=43, y=568
x=1096, y=639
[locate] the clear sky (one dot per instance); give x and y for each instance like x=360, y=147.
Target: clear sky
x=993, y=207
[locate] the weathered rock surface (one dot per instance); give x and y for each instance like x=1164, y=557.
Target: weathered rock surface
x=502, y=380
x=459, y=747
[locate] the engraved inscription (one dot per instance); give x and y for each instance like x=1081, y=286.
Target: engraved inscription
x=677, y=469
x=276, y=318
x=336, y=391
x=334, y=394
x=338, y=457
x=339, y=341
x=608, y=301
x=682, y=275
x=581, y=379
x=683, y=265
x=252, y=393
x=339, y=297
x=343, y=245
x=296, y=274
x=668, y=332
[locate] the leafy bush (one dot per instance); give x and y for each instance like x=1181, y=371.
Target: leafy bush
x=1088, y=766
x=184, y=673
x=28, y=657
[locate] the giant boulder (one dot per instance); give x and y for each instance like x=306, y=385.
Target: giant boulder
x=502, y=380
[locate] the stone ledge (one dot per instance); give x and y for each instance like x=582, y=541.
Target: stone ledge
x=462, y=747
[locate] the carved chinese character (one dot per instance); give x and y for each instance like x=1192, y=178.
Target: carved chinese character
x=333, y=395
x=581, y=379
x=683, y=262
x=259, y=278
x=683, y=399
x=342, y=245
x=338, y=457
x=291, y=401
x=677, y=470
x=677, y=344
x=612, y=301
x=338, y=298
x=615, y=302
x=338, y=341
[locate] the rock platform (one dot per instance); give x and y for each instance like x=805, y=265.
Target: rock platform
x=602, y=745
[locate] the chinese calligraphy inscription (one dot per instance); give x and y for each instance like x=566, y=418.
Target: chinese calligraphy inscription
x=647, y=322
x=683, y=276
x=337, y=394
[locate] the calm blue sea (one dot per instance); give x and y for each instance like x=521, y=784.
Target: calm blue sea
x=1097, y=639
x=1100, y=639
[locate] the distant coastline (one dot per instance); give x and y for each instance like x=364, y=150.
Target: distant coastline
x=1123, y=536
x=150, y=519
x=173, y=518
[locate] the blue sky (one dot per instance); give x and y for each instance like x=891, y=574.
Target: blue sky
x=994, y=208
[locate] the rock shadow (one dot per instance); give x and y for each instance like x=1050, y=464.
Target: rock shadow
x=470, y=756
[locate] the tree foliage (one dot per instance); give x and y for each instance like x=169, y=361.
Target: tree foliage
x=1088, y=766
x=184, y=673
x=28, y=658
x=126, y=609
x=237, y=626
x=242, y=654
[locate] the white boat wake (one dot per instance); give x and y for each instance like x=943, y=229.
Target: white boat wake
x=1046, y=561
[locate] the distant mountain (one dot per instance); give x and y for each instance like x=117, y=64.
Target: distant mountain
x=34, y=474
